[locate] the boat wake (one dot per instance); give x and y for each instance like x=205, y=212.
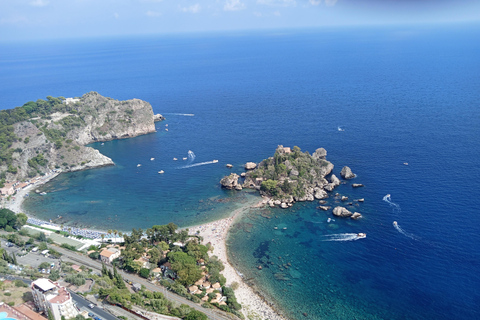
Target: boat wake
x=409, y=235
x=180, y=114
x=191, y=156
x=387, y=198
x=197, y=164
x=342, y=237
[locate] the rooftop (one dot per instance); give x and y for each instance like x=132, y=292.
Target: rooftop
x=44, y=284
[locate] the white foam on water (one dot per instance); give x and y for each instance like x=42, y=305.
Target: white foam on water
x=191, y=156
x=196, y=164
x=341, y=237
x=388, y=199
x=407, y=234
x=180, y=114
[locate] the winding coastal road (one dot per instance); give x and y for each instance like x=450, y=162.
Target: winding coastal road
x=213, y=314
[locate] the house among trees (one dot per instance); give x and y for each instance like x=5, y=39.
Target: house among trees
x=109, y=254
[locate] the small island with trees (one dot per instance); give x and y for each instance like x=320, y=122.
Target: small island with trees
x=293, y=176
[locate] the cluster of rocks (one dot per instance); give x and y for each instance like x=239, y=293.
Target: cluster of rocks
x=345, y=213
x=311, y=175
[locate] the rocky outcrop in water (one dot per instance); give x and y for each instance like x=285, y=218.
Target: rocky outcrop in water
x=341, y=212
x=347, y=173
x=230, y=182
x=250, y=165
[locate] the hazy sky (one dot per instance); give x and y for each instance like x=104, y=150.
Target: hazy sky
x=41, y=19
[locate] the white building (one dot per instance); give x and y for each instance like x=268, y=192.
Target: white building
x=48, y=295
x=71, y=100
x=109, y=254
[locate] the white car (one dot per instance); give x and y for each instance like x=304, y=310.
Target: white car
x=91, y=305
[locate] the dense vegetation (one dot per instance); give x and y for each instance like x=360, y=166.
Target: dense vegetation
x=288, y=173
x=9, y=220
x=161, y=245
x=40, y=108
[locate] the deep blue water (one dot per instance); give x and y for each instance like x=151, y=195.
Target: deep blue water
x=401, y=94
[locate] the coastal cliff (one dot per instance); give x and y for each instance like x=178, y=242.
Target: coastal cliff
x=52, y=134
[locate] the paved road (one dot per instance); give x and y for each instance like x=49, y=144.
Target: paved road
x=82, y=304
x=213, y=314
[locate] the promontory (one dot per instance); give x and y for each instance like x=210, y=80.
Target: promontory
x=51, y=134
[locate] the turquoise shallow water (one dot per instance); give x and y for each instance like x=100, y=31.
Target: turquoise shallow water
x=402, y=94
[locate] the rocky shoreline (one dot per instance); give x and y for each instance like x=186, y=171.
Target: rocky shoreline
x=57, y=131
x=291, y=176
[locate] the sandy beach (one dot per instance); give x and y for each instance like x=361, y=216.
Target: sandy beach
x=216, y=233
x=15, y=203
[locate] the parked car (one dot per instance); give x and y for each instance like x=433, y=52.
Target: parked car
x=91, y=305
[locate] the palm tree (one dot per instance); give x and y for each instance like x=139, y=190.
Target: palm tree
x=103, y=236
x=115, y=232
x=109, y=231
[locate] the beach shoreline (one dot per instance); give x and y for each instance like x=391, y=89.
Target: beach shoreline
x=216, y=232
x=16, y=201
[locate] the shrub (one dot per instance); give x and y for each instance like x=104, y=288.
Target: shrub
x=20, y=284
x=144, y=272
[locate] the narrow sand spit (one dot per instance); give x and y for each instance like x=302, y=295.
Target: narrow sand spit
x=216, y=233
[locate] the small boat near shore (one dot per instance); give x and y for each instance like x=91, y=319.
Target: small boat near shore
x=161, y=171
x=139, y=165
x=43, y=193
x=215, y=161
x=361, y=235
x=395, y=223
x=185, y=158
x=151, y=159
x=175, y=159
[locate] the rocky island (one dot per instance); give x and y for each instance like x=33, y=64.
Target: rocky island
x=292, y=175
x=51, y=134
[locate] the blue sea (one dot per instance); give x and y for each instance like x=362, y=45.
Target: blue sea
x=399, y=95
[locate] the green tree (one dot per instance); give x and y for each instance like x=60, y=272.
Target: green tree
x=196, y=315
x=21, y=220
x=155, y=255
x=144, y=272
x=269, y=186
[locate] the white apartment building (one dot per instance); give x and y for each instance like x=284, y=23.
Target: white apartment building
x=48, y=295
